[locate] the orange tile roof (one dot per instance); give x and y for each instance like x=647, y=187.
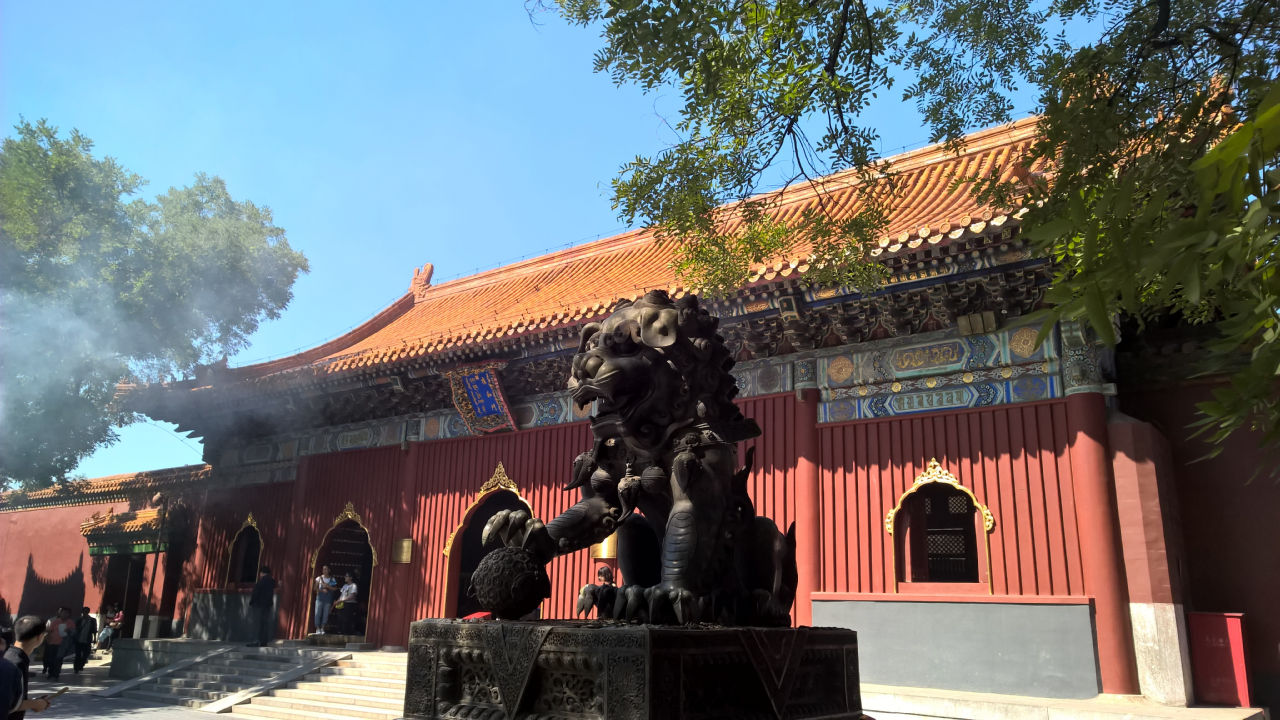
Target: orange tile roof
x=105, y=489
x=111, y=524
x=583, y=282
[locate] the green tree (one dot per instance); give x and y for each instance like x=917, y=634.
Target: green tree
x=1158, y=135
x=99, y=285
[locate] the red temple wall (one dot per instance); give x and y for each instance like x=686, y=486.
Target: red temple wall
x=45, y=561
x=219, y=517
x=423, y=493
x=1014, y=459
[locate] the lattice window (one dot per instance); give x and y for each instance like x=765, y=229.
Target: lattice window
x=938, y=527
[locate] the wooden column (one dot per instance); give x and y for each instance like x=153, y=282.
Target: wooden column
x=808, y=511
x=1100, y=548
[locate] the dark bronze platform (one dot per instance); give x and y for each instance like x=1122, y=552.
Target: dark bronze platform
x=583, y=670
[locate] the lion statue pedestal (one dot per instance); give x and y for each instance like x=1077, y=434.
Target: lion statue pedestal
x=575, y=670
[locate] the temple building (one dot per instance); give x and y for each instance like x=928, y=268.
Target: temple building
x=989, y=513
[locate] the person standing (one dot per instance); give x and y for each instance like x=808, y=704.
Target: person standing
x=326, y=587
x=347, y=603
x=261, y=602
x=86, y=629
x=61, y=628
x=29, y=634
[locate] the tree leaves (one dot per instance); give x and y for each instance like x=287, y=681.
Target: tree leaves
x=99, y=285
x=1159, y=133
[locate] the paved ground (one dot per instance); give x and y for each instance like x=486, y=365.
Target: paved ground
x=79, y=702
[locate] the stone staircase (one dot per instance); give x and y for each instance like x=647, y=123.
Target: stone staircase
x=369, y=686
x=217, y=677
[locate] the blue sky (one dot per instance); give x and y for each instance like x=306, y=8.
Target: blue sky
x=383, y=136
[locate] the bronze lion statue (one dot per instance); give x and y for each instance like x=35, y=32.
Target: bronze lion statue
x=663, y=474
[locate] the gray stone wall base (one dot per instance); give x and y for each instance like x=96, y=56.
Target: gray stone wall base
x=225, y=616
x=1041, y=650
x=884, y=702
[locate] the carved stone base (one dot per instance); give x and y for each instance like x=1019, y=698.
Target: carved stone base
x=598, y=670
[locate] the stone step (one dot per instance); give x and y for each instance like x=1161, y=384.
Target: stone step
x=364, y=672
x=214, y=675
x=202, y=694
x=380, y=658
x=354, y=697
x=285, y=713
x=167, y=684
x=342, y=675
x=162, y=697
x=332, y=684
x=269, y=652
x=267, y=666
x=318, y=706
x=375, y=667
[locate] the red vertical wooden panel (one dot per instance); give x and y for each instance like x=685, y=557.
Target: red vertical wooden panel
x=1053, y=502
x=859, y=473
x=826, y=500
x=845, y=544
x=1035, y=494
x=885, y=497
x=1022, y=498
x=986, y=442
x=1009, y=501
x=1075, y=566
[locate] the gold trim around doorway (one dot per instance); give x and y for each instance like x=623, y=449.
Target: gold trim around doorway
x=498, y=482
x=348, y=513
x=249, y=522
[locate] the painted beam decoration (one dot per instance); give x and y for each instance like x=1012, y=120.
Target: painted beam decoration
x=478, y=397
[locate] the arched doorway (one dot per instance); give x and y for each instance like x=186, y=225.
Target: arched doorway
x=347, y=548
x=464, y=549
x=940, y=536
x=244, y=557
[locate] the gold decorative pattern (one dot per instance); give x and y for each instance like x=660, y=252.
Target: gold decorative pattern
x=1023, y=342
x=1006, y=372
x=497, y=483
x=840, y=369
x=896, y=387
x=935, y=473
x=348, y=513
x=967, y=377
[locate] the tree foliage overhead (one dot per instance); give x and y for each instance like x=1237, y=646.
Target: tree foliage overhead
x=1159, y=129
x=99, y=285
